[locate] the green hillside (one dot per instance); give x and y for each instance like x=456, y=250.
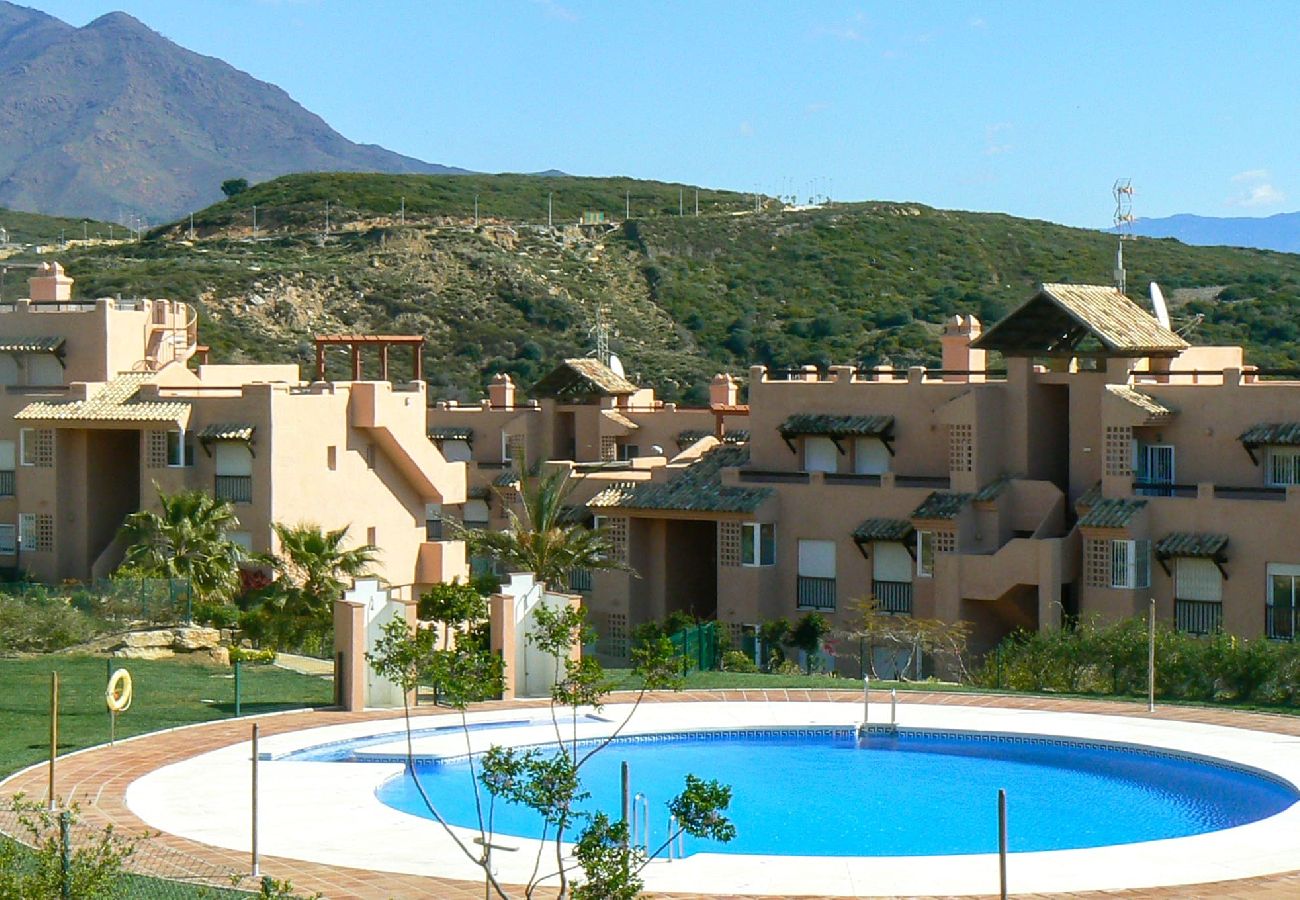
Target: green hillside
x=689, y=296
x=32, y=228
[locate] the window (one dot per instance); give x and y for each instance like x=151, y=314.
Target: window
x=513, y=447
x=1283, y=466
x=456, y=451
x=433, y=530
x=1155, y=469
x=925, y=553
x=627, y=451
x=8, y=540
x=8, y=369
x=475, y=514
x=7, y=460
x=180, y=449
x=820, y=455
x=1198, y=596
x=1130, y=564
x=241, y=539
x=816, y=581
x=372, y=536
x=36, y=447
x=870, y=457
x=43, y=369
x=1283, y=598
x=758, y=544
x=332, y=458
x=36, y=532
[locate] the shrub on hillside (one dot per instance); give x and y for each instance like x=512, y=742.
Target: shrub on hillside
x=38, y=623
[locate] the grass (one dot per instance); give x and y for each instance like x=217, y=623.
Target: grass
x=624, y=680
x=167, y=693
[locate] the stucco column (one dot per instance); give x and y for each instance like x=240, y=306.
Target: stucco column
x=350, y=654
x=501, y=619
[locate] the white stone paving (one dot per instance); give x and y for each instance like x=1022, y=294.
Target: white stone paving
x=328, y=812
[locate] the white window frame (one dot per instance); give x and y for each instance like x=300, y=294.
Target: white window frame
x=8, y=540
x=27, y=536
x=751, y=544
x=1283, y=570
x=814, y=440
x=1283, y=461
x=180, y=449
x=26, y=440
x=925, y=554
x=1130, y=564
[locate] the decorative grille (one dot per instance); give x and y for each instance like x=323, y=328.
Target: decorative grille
x=36, y=532
x=616, y=531
x=945, y=542
x=1119, y=450
x=608, y=447
x=157, y=452
x=1096, y=562
x=38, y=447
x=617, y=633
x=728, y=543
x=961, y=448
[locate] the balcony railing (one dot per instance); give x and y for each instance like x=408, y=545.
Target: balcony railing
x=1280, y=622
x=7, y=483
x=433, y=530
x=934, y=482
x=580, y=580
x=816, y=593
x=852, y=478
x=766, y=476
x=235, y=488
x=1198, y=616
x=893, y=596
x=1163, y=489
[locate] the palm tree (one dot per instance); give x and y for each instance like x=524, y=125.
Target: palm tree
x=188, y=539
x=312, y=570
x=541, y=541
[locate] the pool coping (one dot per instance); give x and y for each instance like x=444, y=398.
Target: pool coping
x=100, y=777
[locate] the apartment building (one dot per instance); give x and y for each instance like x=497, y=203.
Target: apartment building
x=106, y=403
x=1105, y=463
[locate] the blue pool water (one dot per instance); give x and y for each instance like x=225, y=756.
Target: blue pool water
x=824, y=793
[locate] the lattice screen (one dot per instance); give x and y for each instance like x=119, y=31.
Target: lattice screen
x=945, y=542
x=517, y=447
x=1096, y=562
x=36, y=532
x=616, y=531
x=616, y=632
x=156, y=454
x=728, y=543
x=961, y=448
x=40, y=452
x=1119, y=450
x=608, y=447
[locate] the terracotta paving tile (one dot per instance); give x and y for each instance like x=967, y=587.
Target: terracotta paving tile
x=98, y=779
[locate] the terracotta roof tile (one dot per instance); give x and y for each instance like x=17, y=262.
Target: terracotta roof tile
x=1114, y=512
x=1280, y=434
x=884, y=530
x=112, y=402
x=1195, y=544
x=941, y=505
x=836, y=426
x=697, y=488
x=582, y=377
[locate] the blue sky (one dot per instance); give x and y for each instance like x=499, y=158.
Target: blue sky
x=1030, y=108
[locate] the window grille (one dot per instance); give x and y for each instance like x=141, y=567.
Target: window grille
x=961, y=448
x=729, y=543
x=156, y=453
x=1096, y=562
x=1119, y=450
x=616, y=531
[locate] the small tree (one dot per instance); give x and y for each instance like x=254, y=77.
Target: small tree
x=93, y=869
x=232, y=186
x=189, y=538
x=807, y=634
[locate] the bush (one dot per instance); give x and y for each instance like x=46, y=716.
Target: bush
x=737, y=661
x=251, y=655
x=216, y=615
x=41, y=624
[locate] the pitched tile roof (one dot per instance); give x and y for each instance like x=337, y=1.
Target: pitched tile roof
x=1063, y=318
x=226, y=431
x=941, y=505
x=112, y=402
x=884, y=530
x=508, y=478
x=1113, y=512
x=578, y=378
x=622, y=421
x=1152, y=411
x=691, y=435
x=697, y=488
x=1280, y=434
x=451, y=433
x=31, y=344
x=1088, y=499
x=836, y=426
x=478, y=492
x=993, y=490
x=1196, y=544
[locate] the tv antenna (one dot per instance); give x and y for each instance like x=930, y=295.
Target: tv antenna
x=602, y=331
x=1123, y=191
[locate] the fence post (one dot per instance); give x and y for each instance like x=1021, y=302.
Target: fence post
x=65, y=854
x=256, y=864
x=1151, y=658
x=1002, y=841
x=54, y=732
x=237, y=689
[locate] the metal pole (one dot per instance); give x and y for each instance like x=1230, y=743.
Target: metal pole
x=627, y=796
x=866, y=711
x=893, y=706
x=256, y=865
x=237, y=689
x=1151, y=657
x=1002, y=841
x=65, y=854
x=54, y=731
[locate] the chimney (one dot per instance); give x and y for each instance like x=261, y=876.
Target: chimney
x=958, y=332
x=51, y=285
x=723, y=390
x=501, y=392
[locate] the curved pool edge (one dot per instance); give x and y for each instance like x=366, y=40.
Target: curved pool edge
x=307, y=827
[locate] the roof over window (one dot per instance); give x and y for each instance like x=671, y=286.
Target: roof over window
x=226, y=431
x=1112, y=512
x=691, y=435
x=900, y=530
x=451, y=433
x=836, y=426
x=1136, y=408
x=697, y=488
x=994, y=489
x=582, y=379
x=1192, y=544
x=1280, y=434
x=1080, y=320
x=32, y=345
x=621, y=424
x=941, y=505
x=114, y=401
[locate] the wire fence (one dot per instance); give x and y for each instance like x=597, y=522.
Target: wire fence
x=163, y=601
x=57, y=854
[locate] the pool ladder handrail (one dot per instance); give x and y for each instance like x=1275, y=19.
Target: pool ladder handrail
x=640, y=812
x=676, y=841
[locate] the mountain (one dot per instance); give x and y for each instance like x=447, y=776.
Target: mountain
x=687, y=296
x=1280, y=232
x=113, y=120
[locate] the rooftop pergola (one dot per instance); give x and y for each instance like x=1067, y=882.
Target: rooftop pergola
x=356, y=342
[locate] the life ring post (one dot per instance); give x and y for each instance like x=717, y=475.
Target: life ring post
x=117, y=696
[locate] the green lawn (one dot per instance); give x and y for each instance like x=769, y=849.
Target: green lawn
x=167, y=693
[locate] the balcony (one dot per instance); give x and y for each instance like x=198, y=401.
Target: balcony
x=816, y=593
x=1198, y=616
x=1280, y=622
x=852, y=478
x=933, y=482
x=580, y=581
x=767, y=476
x=234, y=488
x=7, y=483
x=893, y=596
x=433, y=530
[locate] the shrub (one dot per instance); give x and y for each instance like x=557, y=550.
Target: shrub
x=216, y=615
x=737, y=661
x=41, y=624
x=251, y=655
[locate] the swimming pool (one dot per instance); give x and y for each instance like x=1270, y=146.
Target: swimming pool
x=824, y=792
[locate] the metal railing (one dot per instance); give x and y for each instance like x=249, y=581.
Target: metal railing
x=1198, y=616
x=580, y=580
x=7, y=479
x=235, y=488
x=937, y=482
x=815, y=593
x=1163, y=489
x=893, y=596
x=767, y=476
x=433, y=530
x=851, y=478
x=1280, y=622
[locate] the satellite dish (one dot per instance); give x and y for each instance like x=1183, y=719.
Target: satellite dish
x=1158, y=304
x=616, y=366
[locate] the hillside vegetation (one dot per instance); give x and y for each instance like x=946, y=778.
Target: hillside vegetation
x=688, y=296
x=33, y=228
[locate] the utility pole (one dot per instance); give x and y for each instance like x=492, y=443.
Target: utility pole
x=254, y=221
x=697, y=202
x=550, y=205
x=403, y=213
x=627, y=200
x=681, y=210
x=476, y=210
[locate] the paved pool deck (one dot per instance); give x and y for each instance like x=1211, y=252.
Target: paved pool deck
x=99, y=780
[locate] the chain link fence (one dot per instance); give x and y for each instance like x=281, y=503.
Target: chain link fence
x=163, y=601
